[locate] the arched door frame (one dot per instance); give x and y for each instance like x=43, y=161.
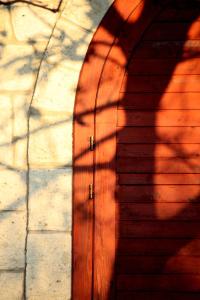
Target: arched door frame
x=94, y=113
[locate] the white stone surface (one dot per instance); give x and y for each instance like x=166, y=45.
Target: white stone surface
x=39, y=22
x=49, y=266
x=51, y=4
x=11, y=285
x=6, y=32
x=6, y=125
x=18, y=66
x=24, y=34
x=60, y=69
x=86, y=13
x=56, y=89
x=13, y=187
x=50, y=141
x=13, y=125
x=50, y=206
x=12, y=240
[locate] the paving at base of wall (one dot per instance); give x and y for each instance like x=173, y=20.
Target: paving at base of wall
x=41, y=56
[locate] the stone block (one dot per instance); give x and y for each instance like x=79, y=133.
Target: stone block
x=49, y=266
x=61, y=66
x=50, y=205
x=56, y=89
x=11, y=285
x=18, y=67
x=13, y=124
x=50, y=142
x=6, y=125
x=50, y=4
x=39, y=22
x=86, y=13
x=13, y=189
x=6, y=32
x=12, y=240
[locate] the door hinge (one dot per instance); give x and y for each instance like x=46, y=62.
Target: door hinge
x=91, y=191
x=92, y=143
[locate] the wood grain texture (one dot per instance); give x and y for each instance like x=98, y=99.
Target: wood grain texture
x=154, y=179
x=167, y=135
x=159, y=194
x=156, y=66
x=179, y=282
x=160, y=230
x=153, y=84
x=165, y=295
x=157, y=101
x=157, y=247
x=141, y=232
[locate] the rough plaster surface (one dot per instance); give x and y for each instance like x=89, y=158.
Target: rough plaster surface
x=41, y=55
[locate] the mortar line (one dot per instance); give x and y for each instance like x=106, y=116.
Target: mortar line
x=27, y=153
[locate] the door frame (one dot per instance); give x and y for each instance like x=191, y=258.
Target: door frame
x=90, y=271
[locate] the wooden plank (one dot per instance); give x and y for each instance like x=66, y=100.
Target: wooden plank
x=173, y=31
x=160, y=150
x=142, y=295
x=177, y=179
x=178, y=282
x=159, y=135
x=83, y=158
x=157, y=194
x=164, y=66
x=188, y=11
x=152, y=211
x=176, y=264
x=152, y=84
x=159, y=165
x=168, y=49
x=156, y=101
x=160, y=118
x=163, y=246
x=105, y=175
x=160, y=229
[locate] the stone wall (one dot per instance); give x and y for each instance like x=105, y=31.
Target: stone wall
x=41, y=55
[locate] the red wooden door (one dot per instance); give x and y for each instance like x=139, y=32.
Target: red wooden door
x=138, y=97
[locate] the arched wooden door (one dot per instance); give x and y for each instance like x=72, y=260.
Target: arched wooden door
x=136, y=188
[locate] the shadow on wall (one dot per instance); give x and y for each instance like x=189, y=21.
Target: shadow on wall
x=157, y=157
x=52, y=5
x=33, y=133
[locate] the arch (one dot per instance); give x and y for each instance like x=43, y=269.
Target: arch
x=92, y=97
x=102, y=78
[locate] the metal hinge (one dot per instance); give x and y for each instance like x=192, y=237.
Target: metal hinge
x=92, y=143
x=91, y=191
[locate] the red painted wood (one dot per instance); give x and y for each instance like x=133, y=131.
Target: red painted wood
x=157, y=295
x=158, y=264
x=152, y=84
x=167, y=135
x=149, y=101
x=156, y=66
x=159, y=165
x=145, y=211
x=173, y=31
x=163, y=118
x=161, y=150
x=155, y=179
x=179, y=282
x=145, y=167
x=159, y=229
x=159, y=247
x=168, y=49
x=83, y=158
x=163, y=193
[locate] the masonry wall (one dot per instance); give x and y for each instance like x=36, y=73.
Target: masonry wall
x=41, y=54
